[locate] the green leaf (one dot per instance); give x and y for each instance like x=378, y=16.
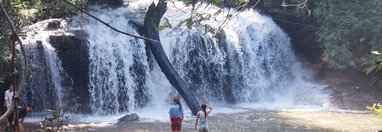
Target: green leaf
x=181, y=23
x=38, y=5
x=217, y=2
x=165, y=25
x=154, y=26
x=242, y=1
x=377, y=108
x=65, y=109
x=189, y=23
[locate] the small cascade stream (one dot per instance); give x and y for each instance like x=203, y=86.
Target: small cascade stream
x=48, y=83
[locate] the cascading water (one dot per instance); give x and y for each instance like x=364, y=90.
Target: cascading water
x=119, y=71
x=49, y=82
x=249, y=61
x=118, y=64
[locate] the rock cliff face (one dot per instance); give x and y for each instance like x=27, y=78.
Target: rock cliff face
x=73, y=52
x=293, y=21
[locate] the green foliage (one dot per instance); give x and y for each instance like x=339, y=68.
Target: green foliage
x=377, y=108
x=217, y=2
x=54, y=122
x=189, y=23
x=24, y=12
x=28, y=11
x=349, y=30
x=165, y=25
x=376, y=65
x=197, y=18
x=4, y=50
x=242, y=1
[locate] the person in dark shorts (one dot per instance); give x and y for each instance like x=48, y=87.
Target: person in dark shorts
x=176, y=115
x=22, y=112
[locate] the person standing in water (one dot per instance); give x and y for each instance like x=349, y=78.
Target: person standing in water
x=201, y=124
x=22, y=112
x=176, y=115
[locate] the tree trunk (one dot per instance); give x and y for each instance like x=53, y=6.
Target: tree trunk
x=152, y=19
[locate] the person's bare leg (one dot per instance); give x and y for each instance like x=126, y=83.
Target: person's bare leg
x=21, y=127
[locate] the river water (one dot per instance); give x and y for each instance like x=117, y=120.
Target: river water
x=244, y=120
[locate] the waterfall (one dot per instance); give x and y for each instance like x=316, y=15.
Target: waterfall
x=249, y=61
x=118, y=68
x=48, y=81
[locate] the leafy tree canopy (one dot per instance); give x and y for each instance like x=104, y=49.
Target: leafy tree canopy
x=349, y=30
x=23, y=12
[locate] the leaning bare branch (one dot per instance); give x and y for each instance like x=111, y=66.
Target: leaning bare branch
x=302, y=5
x=108, y=25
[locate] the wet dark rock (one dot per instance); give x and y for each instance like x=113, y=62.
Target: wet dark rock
x=141, y=30
x=233, y=80
x=113, y=3
x=74, y=54
x=128, y=118
x=138, y=26
x=54, y=25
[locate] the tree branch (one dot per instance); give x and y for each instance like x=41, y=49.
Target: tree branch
x=106, y=24
x=15, y=37
x=301, y=24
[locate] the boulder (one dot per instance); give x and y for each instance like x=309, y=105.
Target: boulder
x=128, y=118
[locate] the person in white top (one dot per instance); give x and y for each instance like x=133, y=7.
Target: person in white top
x=8, y=97
x=201, y=124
